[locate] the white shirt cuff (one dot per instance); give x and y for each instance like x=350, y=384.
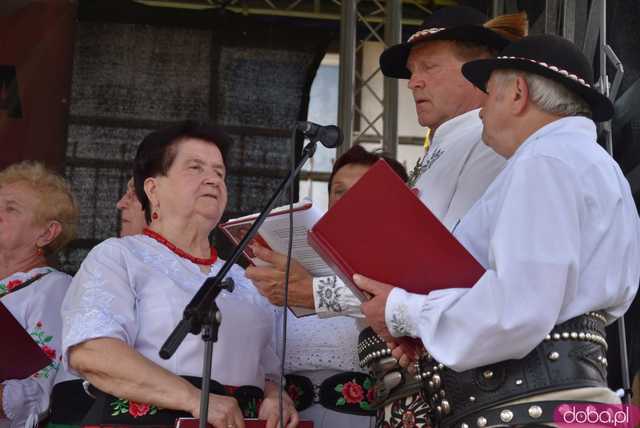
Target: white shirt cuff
x=21, y=398
x=402, y=312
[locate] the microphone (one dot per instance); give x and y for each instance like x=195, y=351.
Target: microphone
x=330, y=136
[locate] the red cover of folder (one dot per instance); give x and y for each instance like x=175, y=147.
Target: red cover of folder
x=21, y=356
x=380, y=229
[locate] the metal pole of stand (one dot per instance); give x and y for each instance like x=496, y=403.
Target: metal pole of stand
x=604, y=54
x=206, y=374
x=209, y=336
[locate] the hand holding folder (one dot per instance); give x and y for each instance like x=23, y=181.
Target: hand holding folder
x=380, y=229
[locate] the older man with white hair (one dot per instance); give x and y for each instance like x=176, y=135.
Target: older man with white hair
x=559, y=236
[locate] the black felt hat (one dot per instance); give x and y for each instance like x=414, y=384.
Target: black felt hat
x=459, y=23
x=549, y=56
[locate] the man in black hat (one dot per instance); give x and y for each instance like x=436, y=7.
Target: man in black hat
x=559, y=236
x=458, y=167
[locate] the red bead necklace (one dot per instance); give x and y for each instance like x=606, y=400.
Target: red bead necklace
x=197, y=260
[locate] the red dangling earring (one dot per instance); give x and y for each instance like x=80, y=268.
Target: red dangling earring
x=154, y=215
x=39, y=251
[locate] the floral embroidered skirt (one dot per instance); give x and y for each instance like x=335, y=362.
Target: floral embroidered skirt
x=109, y=410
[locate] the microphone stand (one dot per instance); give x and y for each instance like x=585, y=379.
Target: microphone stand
x=202, y=314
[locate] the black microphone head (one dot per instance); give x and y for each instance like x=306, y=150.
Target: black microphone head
x=330, y=136
x=307, y=127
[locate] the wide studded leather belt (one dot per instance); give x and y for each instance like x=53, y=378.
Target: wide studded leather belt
x=571, y=356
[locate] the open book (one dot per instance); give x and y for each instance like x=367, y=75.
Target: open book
x=20, y=356
x=380, y=229
x=274, y=234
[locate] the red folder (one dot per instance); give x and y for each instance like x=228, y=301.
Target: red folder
x=380, y=229
x=21, y=356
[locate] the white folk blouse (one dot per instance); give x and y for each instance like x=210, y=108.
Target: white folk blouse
x=135, y=289
x=37, y=308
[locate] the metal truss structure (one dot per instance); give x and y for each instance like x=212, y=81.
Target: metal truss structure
x=362, y=21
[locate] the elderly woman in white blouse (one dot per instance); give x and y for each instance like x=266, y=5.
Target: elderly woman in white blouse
x=37, y=217
x=130, y=292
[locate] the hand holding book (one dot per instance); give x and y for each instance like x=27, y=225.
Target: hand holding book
x=374, y=310
x=270, y=279
x=380, y=229
x=266, y=255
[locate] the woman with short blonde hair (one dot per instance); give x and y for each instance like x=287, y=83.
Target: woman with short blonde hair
x=38, y=215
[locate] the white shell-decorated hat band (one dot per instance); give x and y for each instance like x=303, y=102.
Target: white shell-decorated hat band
x=558, y=70
x=423, y=33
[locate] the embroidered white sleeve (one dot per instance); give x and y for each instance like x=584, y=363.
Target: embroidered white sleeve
x=333, y=298
x=100, y=302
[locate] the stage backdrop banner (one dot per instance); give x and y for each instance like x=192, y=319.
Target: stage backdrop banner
x=36, y=52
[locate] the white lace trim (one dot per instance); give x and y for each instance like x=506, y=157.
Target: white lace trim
x=321, y=344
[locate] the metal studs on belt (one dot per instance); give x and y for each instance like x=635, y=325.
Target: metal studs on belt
x=553, y=356
x=535, y=412
x=487, y=374
x=506, y=415
x=436, y=381
x=446, y=407
x=482, y=422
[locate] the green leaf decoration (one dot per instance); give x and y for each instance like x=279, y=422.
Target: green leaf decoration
x=364, y=405
x=48, y=339
x=120, y=407
x=153, y=410
x=339, y=388
x=367, y=383
x=341, y=402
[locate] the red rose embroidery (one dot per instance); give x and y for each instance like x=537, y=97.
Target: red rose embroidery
x=138, y=409
x=352, y=392
x=11, y=285
x=51, y=353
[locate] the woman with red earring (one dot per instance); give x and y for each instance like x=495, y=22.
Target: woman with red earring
x=130, y=292
x=37, y=218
